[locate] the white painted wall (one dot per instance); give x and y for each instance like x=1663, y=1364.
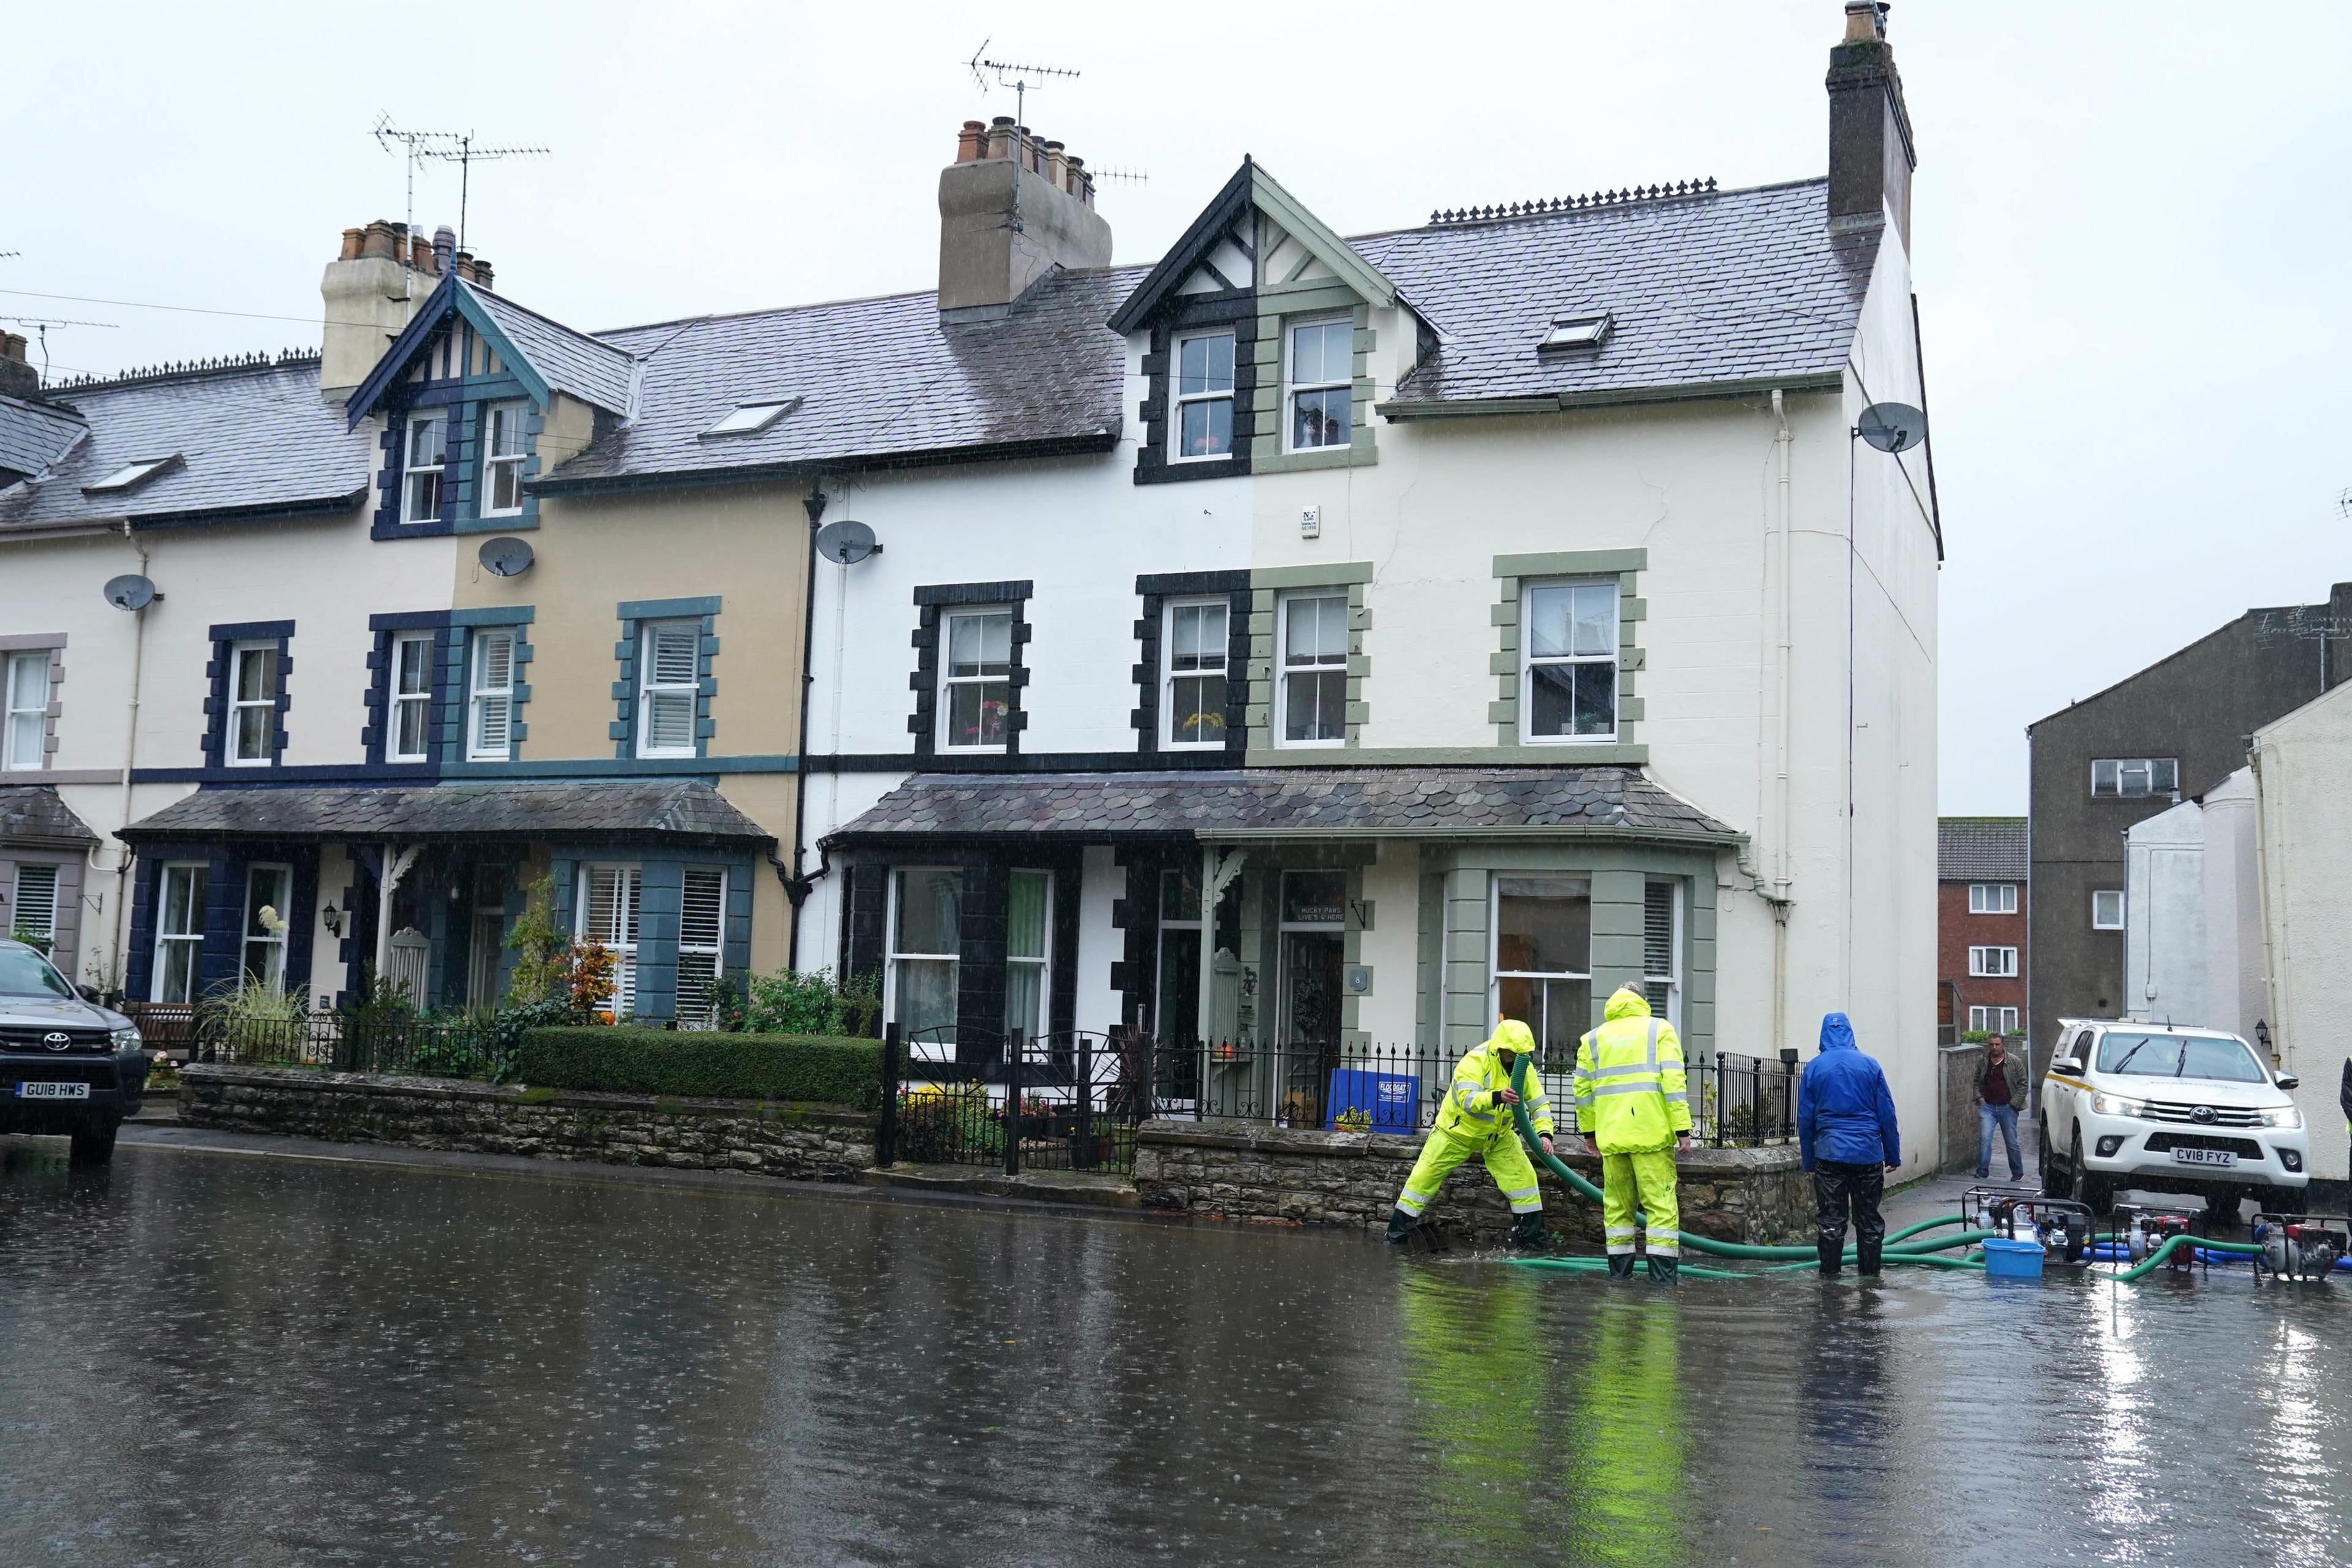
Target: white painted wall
x=2164, y=900
x=2235, y=996
x=2304, y=828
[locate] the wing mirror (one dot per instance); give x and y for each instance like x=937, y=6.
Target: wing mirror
x=90, y=994
x=2068, y=1065
x=2287, y=1080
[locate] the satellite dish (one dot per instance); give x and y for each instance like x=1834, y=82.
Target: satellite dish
x=845, y=543
x=1892, y=427
x=131, y=591
x=505, y=556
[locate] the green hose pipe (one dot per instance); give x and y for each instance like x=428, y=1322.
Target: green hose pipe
x=2146, y=1266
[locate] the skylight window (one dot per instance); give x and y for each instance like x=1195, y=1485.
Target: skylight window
x=749, y=418
x=1586, y=331
x=131, y=475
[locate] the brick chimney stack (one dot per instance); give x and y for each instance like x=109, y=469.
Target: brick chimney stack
x=1871, y=155
x=1011, y=209
x=17, y=376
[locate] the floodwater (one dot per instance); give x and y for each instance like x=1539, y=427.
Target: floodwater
x=209, y=1359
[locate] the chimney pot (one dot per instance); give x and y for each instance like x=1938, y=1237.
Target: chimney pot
x=971, y=142
x=1865, y=21
x=380, y=241
x=445, y=245
x=481, y=273
x=353, y=239
x=420, y=254
x=12, y=346
x=1003, y=227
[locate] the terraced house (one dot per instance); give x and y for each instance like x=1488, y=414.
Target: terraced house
x=1293, y=640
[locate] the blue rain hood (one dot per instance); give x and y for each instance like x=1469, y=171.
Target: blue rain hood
x=1844, y=1113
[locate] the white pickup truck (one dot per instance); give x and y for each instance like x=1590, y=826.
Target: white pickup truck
x=2148, y=1106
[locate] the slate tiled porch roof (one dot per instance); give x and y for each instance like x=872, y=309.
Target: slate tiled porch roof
x=597, y=811
x=1282, y=803
x=35, y=811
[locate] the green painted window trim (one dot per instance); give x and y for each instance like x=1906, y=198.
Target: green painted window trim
x=1511, y=575
x=1339, y=573
x=1265, y=598
x=1281, y=306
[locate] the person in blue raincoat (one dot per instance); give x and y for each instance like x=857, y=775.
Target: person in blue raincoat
x=1845, y=1131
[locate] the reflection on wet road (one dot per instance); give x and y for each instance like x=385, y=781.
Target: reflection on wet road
x=212, y=1359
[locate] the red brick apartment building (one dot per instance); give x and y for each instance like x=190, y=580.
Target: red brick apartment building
x=1980, y=911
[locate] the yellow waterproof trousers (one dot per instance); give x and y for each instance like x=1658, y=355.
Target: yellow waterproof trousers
x=1645, y=1179
x=1506, y=1162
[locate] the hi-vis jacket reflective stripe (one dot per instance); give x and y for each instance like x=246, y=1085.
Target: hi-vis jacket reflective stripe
x=1473, y=1111
x=1630, y=1093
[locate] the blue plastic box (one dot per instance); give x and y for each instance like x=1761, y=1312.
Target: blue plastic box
x=1391, y=1099
x=2006, y=1259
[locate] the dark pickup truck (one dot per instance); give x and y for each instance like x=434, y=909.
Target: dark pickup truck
x=69, y=1068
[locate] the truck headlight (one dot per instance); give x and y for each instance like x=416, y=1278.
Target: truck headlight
x=2285, y=1116
x=2116, y=1105
x=127, y=1039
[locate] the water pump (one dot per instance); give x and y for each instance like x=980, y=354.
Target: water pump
x=2021, y=1213
x=2301, y=1246
x=2145, y=1232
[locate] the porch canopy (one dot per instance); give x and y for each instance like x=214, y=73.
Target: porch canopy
x=35, y=813
x=1244, y=804
x=598, y=810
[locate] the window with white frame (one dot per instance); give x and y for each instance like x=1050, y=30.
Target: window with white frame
x=926, y=946
x=420, y=484
x=2134, y=778
x=670, y=679
x=1993, y=1020
x=1992, y=897
x=1028, y=964
x=1542, y=961
x=1993, y=962
x=489, y=697
x=1195, y=650
x=409, y=726
x=24, y=732
x=2107, y=909
x=269, y=892
x=253, y=704
x=609, y=899
x=505, y=427
x=33, y=911
x=1314, y=696
x=976, y=679
x=1569, y=655
x=701, y=942
x=1203, y=388
x=1319, y=384
x=1662, y=948
x=179, y=932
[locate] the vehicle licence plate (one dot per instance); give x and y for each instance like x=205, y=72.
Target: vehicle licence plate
x=2204, y=1157
x=31, y=1089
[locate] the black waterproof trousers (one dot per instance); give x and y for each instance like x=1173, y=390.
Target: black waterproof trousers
x=1836, y=1187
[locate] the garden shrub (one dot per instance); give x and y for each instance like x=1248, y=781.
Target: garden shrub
x=626, y=1060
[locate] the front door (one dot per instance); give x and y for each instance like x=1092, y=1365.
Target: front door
x=1314, y=942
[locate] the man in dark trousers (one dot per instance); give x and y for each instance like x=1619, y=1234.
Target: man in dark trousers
x=1846, y=1131
x=2000, y=1095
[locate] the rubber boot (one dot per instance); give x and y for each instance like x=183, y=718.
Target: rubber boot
x=1865, y=1258
x=1663, y=1270
x=1833, y=1256
x=1401, y=1225
x=1620, y=1265
x=1529, y=1234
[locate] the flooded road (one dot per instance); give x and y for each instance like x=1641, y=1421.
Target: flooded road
x=207, y=1359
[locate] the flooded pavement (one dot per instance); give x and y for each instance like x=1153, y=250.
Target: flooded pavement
x=209, y=1359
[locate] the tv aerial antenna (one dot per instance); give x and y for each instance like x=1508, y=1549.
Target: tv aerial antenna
x=1014, y=74
x=41, y=325
x=443, y=146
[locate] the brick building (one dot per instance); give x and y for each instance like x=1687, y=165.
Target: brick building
x=1982, y=865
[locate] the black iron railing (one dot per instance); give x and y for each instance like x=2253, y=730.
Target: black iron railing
x=340, y=1042
x=1070, y=1101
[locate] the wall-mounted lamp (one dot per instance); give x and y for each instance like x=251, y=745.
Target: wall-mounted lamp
x=333, y=918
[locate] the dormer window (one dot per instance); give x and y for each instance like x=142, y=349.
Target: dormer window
x=504, y=428
x=1203, y=397
x=132, y=474
x=420, y=495
x=1322, y=377
x=1569, y=334
x=751, y=418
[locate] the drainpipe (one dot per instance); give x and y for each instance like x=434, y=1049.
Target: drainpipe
x=797, y=884
x=130, y=754
x=1781, y=440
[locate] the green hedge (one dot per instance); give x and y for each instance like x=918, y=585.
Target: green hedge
x=831, y=1070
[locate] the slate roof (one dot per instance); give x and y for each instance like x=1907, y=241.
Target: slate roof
x=602, y=809
x=252, y=439
x=1981, y=850
x=35, y=811
x=1251, y=802
x=881, y=379
x=589, y=368
x=35, y=434
x=1727, y=288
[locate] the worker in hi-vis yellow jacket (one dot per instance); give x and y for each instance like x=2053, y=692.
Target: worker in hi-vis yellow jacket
x=1633, y=1107
x=1476, y=1120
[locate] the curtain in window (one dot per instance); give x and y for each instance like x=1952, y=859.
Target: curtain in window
x=28, y=705
x=924, y=951
x=180, y=933
x=1025, y=954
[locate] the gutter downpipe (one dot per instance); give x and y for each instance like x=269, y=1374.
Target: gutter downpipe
x=130, y=754
x=1781, y=441
x=797, y=884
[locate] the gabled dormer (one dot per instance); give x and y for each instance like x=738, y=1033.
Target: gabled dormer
x=1261, y=323
x=477, y=395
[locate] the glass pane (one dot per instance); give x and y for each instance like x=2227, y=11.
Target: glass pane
x=1568, y=1013
x=1198, y=715
x=673, y=653
x=697, y=973
x=425, y=442
x=1551, y=699
x=184, y=899
x=1595, y=711
x=493, y=661
x=1315, y=706
x=930, y=904
x=1542, y=932
x=2163, y=775
x=2103, y=776
x=415, y=665
x=493, y=724
x=670, y=720
x=980, y=645
x=265, y=887
x=265, y=962
x=1550, y=612
x=37, y=900
x=1316, y=631
x=409, y=741
x=1319, y=418
x=1206, y=429
x=506, y=487
x=257, y=674
x=1197, y=637
x=976, y=710
x=1313, y=898
x=1658, y=929
x=1325, y=352
x=178, y=980
x=252, y=740
x=1179, y=895
x=28, y=680
x=1205, y=365
x=1024, y=999
x=1024, y=915
x=1596, y=618
x=702, y=906
x=612, y=901
x=926, y=994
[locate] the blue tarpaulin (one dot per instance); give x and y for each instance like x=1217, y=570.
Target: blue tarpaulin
x=1391, y=1099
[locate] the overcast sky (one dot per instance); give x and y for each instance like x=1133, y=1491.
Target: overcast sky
x=2131, y=222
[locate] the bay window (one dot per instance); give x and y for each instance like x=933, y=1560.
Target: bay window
x=1542, y=961
x=925, y=947
x=701, y=942
x=609, y=900
x=1028, y=937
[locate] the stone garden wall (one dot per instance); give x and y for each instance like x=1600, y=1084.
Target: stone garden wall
x=799, y=1143
x=1247, y=1171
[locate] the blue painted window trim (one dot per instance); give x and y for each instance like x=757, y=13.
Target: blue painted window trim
x=514, y=618
x=375, y=731
x=225, y=870
x=464, y=398
x=224, y=639
x=634, y=614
